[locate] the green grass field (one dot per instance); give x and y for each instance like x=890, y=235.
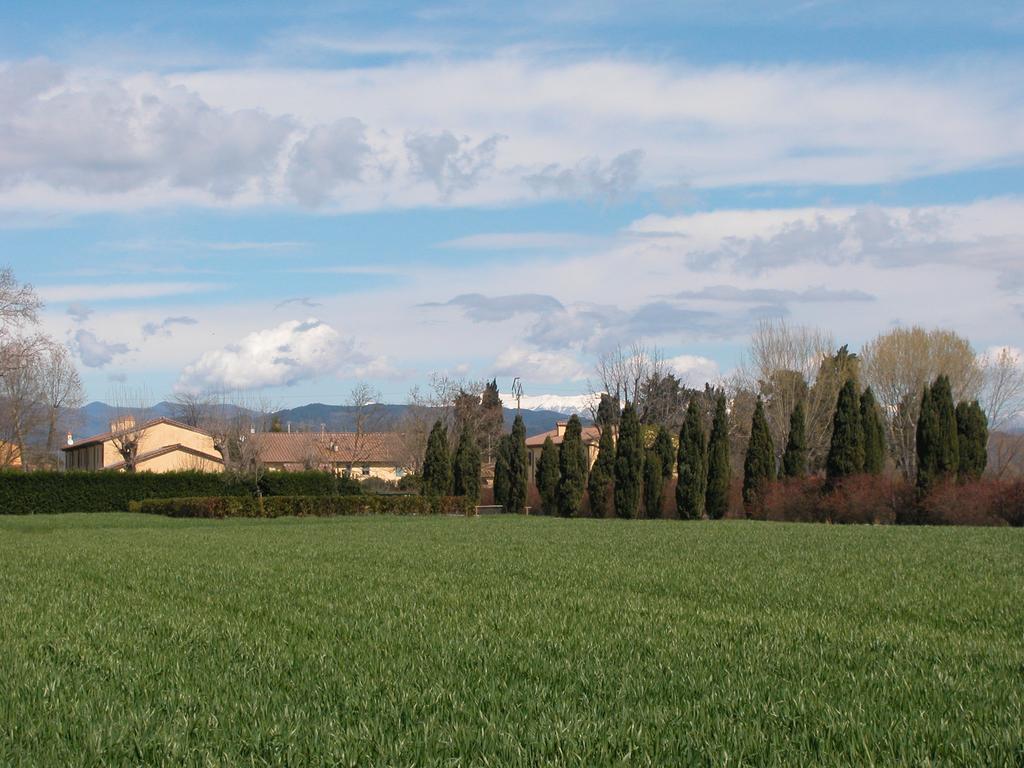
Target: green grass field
x=133, y=640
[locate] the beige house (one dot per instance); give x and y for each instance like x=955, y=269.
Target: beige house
x=164, y=445
x=534, y=445
x=360, y=455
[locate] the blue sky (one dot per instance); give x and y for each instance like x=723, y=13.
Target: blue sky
x=290, y=198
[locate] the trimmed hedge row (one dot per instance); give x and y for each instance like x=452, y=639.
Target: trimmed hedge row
x=27, y=493
x=303, y=506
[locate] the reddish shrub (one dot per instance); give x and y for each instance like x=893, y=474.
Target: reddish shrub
x=795, y=500
x=736, y=510
x=980, y=502
x=867, y=499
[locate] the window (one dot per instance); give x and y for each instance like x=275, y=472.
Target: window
x=366, y=471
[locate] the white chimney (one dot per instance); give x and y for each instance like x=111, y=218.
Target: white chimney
x=71, y=440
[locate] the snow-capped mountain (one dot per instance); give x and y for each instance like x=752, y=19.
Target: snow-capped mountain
x=567, y=404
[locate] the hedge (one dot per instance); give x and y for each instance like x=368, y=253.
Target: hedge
x=304, y=506
x=26, y=493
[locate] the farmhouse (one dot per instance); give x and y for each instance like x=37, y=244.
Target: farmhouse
x=360, y=455
x=163, y=445
x=534, y=445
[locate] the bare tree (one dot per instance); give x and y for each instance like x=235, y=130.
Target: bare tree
x=1002, y=398
x=622, y=372
x=129, y=427
x=898, y=364
x=21, y=394
x=368, y=415
x=191, y=408
x=784, y=365
x=61, y=388
x=19, y=304
x=424, y=407
x=238, y=423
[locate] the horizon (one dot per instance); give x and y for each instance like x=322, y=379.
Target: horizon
x=239, y=197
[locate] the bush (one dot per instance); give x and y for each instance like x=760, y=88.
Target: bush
x=980, y=502
x=27, y=493
x=794, y=500
x=309, y=483
x=867, y=499
x=304, y=506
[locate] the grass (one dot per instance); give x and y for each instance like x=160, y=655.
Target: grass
x=129, y=640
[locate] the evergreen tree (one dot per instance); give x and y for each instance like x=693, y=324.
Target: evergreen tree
x=927, y=440
x=572, y=464
x=716, y=497
x=794, y=460
x=947, y=453
x=629, y=464
x=518, y=470
x=466, y=474
x=846, y=451
x=492, y=420
x=437, y=463
x=654, y=483
x=972, y=439
x=874, y=433
x=602, y=474
x=691, y=464
x=666, y=452
x=759, y=462
x=275, y=424
x=502, y=478
x=608, y=412
x=547, y=477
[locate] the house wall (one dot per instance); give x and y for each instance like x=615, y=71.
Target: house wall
x=388, y=472
x=177, y=461
x=161, y=435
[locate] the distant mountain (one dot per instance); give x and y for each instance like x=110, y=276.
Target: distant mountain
x=565, y=404
x=342, y=418
x=95, y=418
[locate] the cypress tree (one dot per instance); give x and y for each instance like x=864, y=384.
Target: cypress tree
x=502, y=480
x=716, y=497
x=466, y=475
x=629, y=464
x=874, y=433
x=972, y=440
x=666, y=452
x=437, y=463
x=602, y=474
x=691, y=464
x=518, y=471
x=608, y=412
x=846, y=451
x=759, y=462
x=927, y=440
x=794, y=460
x=572, y=463
x=654, y=483
x=547, y=477
x=947, y=454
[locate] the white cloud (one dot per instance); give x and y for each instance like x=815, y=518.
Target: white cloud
x=95, y=352
x=430, y=130
x=538, y=365
x=163, y=328
x=291, y=352
x=694, y=370
x=523, y=241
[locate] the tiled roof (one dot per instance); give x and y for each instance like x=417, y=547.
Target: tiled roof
x=590, y=435
x=331, y=447
x=103, y=437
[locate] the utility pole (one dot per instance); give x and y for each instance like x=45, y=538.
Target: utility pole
x=517, y=391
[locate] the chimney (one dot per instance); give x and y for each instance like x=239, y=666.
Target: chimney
x=71, y=440
x=560, y=428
